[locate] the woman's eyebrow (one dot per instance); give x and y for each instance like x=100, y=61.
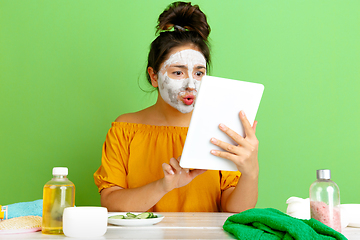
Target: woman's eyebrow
x=185, y=67
x=200, y=67
x=179, y=66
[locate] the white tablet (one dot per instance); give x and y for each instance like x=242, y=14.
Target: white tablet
x=219, y=100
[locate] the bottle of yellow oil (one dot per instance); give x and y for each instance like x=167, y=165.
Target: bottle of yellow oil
x=58, y=194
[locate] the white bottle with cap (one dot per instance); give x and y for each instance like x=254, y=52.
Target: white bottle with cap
x=325, y=200
x=58, y=194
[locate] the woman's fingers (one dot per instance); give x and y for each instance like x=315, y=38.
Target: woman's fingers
x=232, y=152
x=226, y=155
x=186, y=170
x=168, y=169
x=254, y=126
x=234, y=136
x=244, y=155
x=247, y=141
x=249, y=131
x=174, y=163
x=175, y=176
x=174, y=168
x=195, y=172
x=226, y=146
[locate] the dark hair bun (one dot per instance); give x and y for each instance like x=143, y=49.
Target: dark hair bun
x=184, y=16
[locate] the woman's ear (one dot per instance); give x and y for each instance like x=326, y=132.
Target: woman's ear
x=153, y=77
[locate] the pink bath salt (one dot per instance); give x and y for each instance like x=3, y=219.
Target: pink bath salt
x=328, y=216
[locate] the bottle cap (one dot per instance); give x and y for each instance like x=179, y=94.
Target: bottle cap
x=323, y=174
x=60, y=171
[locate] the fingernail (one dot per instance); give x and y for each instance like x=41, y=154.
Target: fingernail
x=222, y=126
x=213, y=140
x=172, y=172
x=242, y=113
x=213, y=152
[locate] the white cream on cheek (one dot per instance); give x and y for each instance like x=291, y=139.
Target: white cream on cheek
x=170, y=89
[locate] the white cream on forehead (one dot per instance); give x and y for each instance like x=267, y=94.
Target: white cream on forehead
x=187, y=57
x=170, y=88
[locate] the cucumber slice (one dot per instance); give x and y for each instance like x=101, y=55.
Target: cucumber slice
x=144, y=215
x=152, y=215
x=117, y=217
x=130, y=215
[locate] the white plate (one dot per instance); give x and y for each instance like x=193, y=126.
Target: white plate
x=134, y=222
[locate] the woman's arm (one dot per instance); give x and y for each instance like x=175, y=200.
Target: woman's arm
x=245, y=156
x=117, y=199
x=242, y=197
x=141, y=199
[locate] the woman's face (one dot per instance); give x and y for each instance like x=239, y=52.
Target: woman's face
x=179, y=77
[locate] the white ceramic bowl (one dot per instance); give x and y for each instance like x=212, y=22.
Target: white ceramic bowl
x=85, y=222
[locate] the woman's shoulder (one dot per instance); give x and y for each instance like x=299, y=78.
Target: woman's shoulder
x=128, y=124
x=129, y=118
x=141, y=117
x=145, y=120
x=147, y=116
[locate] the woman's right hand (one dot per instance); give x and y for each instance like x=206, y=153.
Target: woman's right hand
x=176, y=176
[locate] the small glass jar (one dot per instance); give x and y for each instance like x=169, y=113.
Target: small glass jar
x=325, y=200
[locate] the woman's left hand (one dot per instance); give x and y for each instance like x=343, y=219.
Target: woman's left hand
x=245, y=154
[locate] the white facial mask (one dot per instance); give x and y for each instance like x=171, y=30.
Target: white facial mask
x=181, y=93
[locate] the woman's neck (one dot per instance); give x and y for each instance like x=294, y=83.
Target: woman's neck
x=164, y=114
x=159, y=114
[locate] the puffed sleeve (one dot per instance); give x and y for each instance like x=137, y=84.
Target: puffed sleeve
x=229, y=179
x=114, y=160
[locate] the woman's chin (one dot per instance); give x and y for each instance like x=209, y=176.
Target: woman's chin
x=185, y=108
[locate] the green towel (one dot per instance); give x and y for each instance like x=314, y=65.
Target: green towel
x=271, y=224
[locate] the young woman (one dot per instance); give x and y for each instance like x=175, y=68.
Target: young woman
x=140, y=162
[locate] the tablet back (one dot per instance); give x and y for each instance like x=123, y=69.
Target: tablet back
x=219, y=100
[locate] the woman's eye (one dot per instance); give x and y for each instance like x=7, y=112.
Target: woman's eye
x=199, y=74
x=177, y=73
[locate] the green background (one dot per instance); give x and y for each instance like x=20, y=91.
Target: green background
x=69, y=68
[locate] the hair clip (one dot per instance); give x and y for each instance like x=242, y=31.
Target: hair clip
x=179, y=28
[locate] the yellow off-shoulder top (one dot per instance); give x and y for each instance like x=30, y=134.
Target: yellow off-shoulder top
x=133, y=154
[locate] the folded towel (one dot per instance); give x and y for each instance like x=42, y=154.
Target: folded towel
x=298, y=207
x=25, y=209
x=271, y=224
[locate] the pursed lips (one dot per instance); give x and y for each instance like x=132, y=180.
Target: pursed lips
x=188, y=99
